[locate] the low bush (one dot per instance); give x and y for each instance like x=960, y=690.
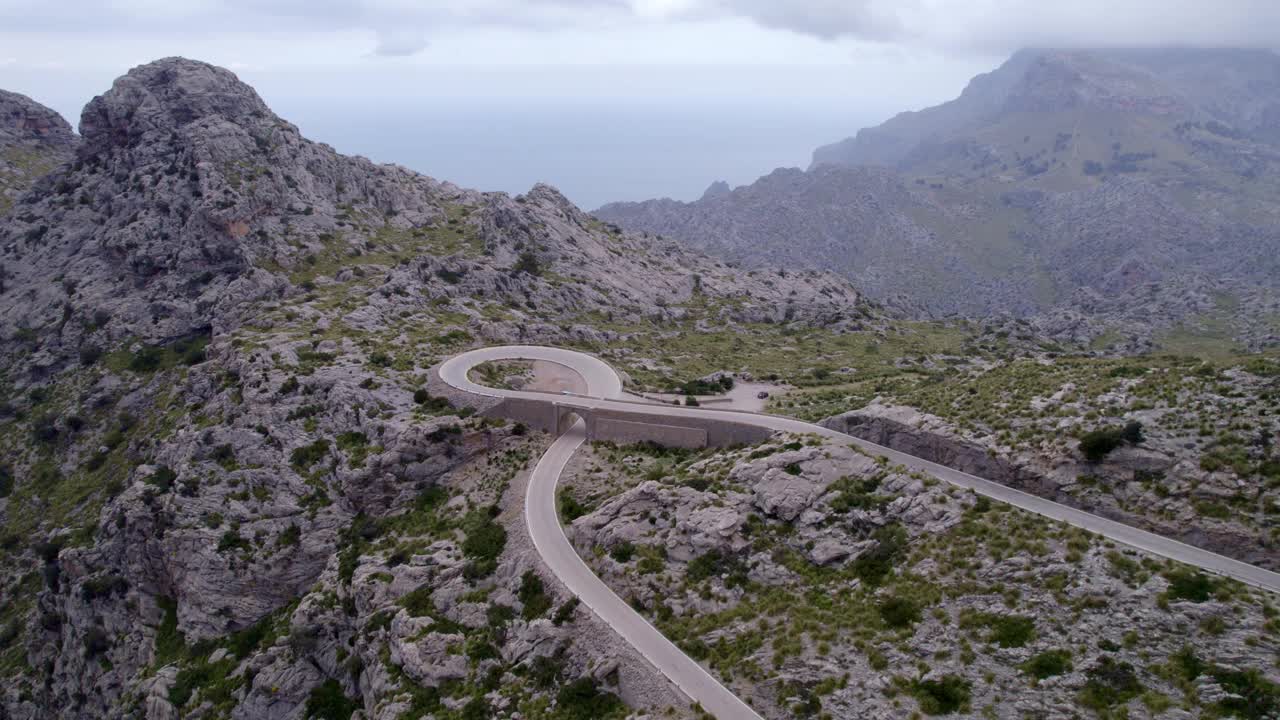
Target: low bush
x=1048, y=664
x=949, y=694
x=304, y=457
x=1188, y=584
x=899, y=612
x=485, y=541
x=533, y=596
x=328, y=702
x=96, y=641
x=583, y=700
x=873, y=566
x=1097, y=444
x=1109, y=683
x=623, y=552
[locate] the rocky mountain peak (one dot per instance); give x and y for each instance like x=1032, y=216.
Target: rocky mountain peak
x=166, y=96
x=719, y=188
x=1057, y=80
x=24, y=119
x=33, y=141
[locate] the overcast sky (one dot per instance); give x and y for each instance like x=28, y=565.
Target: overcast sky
x=852, y=61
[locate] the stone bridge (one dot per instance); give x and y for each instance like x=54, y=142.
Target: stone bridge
x=556, y=414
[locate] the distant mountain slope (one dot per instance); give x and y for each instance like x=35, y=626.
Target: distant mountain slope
x=1133, y=174
x=33, y=141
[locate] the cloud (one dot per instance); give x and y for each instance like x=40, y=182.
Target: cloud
x=399, y=43
x=404, y=27
x=826, y=19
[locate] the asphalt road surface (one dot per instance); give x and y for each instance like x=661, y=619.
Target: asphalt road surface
x=604, y=392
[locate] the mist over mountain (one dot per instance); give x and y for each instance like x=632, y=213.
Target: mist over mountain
x=1129, y=190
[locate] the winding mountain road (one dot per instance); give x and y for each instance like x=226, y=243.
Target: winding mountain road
x=604, y=390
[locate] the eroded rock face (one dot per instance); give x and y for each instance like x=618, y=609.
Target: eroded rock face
x=794, y=486
x=33, y=141
x=189, y=201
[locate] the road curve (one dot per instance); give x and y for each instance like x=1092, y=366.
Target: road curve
x=605, y=389
x=556, y=550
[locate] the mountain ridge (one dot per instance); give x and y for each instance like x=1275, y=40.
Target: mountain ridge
x=1121, y=172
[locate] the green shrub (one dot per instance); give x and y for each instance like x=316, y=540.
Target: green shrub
x=231, y=540
x=1251, y=694
x=1010, y=631
x=873, y=566
x=1109, y=683
x=653, y=559
x=583, y=700
x=1188, y=584
x=898, y=612
x=148, y=359
x=163, y=478
x=89, y=354
x=101, y=587
x=858, y=493
x=533, y=596
x=1132, y=433
x=1048, y=664
x=484, y=543
x=96, y=641
x=623, y=552
x=304, y=457
x=418, y=602
x=713, y=563
x=1097, y=444
x=944, y=696
x=225, y=456
x=544, y=670
x=570, y=508
x=290, y=536
x=328, y=702
x=44, y=429
x=564, y=613
x=528, y=264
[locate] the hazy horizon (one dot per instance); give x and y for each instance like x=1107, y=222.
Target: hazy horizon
x=634, y=134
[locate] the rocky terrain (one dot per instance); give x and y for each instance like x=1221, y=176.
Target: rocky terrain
x=1125, y=197
x=227, y=489
x=33, y=141
x=819, y=582
x=1183, y=447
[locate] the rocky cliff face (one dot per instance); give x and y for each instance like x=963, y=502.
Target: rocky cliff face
x=226, y=489
x=33, y=141
x=1132, y=175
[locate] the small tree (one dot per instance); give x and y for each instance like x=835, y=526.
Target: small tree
x=1097, y=444
x=527, y=263
x=1132, y=433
